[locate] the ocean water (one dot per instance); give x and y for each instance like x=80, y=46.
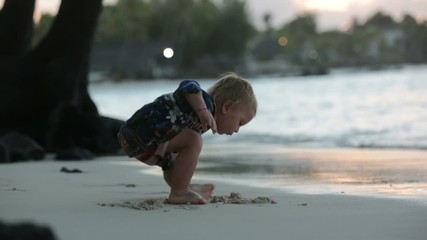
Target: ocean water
x=350, y=132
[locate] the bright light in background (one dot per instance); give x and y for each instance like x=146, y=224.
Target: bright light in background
x=282, y=41
x=168, y=52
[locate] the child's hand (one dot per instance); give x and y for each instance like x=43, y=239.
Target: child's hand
x=207, y=120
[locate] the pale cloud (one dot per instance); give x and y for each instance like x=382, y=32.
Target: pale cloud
x=281, y=11
x=330, y=5
x=395, y=8
x=335, y=14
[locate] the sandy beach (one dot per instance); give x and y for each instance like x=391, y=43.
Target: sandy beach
x=105, y=198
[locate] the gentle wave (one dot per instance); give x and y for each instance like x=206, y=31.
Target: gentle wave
x=357, y=139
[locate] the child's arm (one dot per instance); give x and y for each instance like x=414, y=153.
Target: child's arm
x=198, y=104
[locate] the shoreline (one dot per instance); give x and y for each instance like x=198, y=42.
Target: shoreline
x=69, y=203
x=377, y=173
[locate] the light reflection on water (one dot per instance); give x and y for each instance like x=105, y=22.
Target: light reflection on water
x=381, y=173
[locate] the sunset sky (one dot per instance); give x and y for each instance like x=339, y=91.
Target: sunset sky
x=331, y=14
x=335, y=14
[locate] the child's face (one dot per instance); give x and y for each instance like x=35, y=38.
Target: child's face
x=231, y=116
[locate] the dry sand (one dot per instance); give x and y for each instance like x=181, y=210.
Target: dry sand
x=112, y=199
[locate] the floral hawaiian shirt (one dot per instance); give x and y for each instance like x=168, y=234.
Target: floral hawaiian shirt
x=161, y=120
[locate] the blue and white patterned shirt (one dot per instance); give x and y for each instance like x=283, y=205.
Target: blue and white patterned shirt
x=162, y=119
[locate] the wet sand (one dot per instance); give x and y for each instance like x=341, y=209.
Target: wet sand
x=385, y=173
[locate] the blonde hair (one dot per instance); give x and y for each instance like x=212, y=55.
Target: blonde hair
x=233, y=87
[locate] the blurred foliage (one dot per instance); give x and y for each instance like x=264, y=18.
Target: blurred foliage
x=42, y=27
x=195, y=28
x=126, y=21
x=379, y=41
x=202, y=30
x=301, y=33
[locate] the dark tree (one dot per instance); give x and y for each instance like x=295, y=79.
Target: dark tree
x=44, y=90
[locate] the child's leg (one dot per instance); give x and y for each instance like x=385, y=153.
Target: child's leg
x=188, y=144
x=206, y=190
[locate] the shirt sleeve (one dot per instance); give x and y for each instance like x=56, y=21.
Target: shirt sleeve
x=189, y=86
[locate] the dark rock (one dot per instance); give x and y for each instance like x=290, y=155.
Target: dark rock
x=67, y=170
x=4, y=154
x=75, y=153
x=25, y=231
x=16, y=147
x=102, y=134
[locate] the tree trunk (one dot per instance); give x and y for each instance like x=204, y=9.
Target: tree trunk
x=44, y=90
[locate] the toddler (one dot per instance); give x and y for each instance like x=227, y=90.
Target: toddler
x=167, y=132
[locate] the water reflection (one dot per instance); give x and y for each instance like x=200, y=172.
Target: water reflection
x=390, y=173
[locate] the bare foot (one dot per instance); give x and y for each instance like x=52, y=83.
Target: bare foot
x=206, y=190
x=187, y=196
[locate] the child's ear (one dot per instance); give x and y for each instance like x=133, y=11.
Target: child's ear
x=226, y=106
